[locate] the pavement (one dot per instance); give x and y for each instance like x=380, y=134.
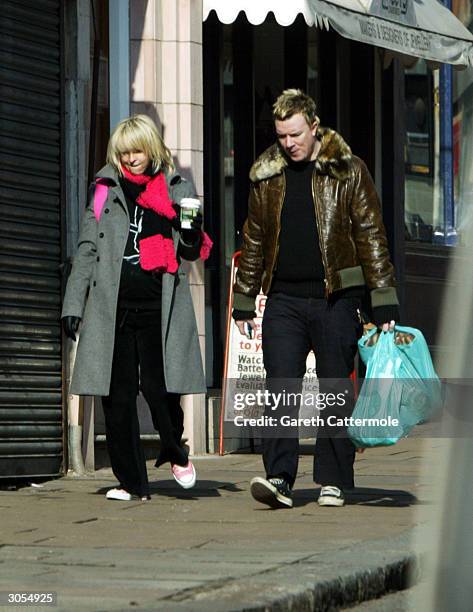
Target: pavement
x=213, y=548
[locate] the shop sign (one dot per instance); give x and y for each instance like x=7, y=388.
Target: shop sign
x=401, y=11
x=396, y=7
x=393, y=36
x=416, y=28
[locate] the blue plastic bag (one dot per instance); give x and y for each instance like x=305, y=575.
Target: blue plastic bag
x=401, y=388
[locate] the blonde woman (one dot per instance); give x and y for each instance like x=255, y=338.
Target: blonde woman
x=131, y=298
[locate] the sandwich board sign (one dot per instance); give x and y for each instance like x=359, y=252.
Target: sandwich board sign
x=243, y=363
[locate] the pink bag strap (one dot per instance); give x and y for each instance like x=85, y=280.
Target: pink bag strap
x=100, y=195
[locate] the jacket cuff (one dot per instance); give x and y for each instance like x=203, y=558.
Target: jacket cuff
x=385, y=296
x=72, y=311
x=243, y=302
x=385, y=314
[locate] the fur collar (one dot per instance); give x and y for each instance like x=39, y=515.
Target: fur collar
x=335, y=158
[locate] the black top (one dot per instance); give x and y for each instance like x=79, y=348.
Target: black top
x=138, y=288
x=299, y=268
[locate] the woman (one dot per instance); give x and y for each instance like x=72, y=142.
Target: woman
x=128, y=288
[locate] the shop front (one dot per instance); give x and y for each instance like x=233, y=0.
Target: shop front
x=208, y=73
x=372, y=67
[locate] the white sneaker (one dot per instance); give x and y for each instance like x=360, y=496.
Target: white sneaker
x=123, y=495
x=119, y=494
x=331, y=496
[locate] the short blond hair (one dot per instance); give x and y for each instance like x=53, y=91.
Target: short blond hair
x=139, y=133
x=293, y=101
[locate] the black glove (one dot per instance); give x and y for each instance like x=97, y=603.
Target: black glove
x=191, y=236
x=70, y=325
x=385, y=314
x=243, y=315
x=197, y=221
x=176, y=221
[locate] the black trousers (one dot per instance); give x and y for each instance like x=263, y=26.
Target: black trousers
x=293, y=326
x=138, y=364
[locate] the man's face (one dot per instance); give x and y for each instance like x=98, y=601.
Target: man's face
x=297, y=137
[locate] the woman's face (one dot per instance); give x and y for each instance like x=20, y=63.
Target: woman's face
x=134, y=161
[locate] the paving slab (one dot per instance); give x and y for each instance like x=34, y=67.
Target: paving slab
x=213, y=547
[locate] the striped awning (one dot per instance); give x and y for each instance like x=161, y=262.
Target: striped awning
x=256, y=11
x=418, y=28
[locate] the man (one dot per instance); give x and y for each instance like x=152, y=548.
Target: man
x=313, y=240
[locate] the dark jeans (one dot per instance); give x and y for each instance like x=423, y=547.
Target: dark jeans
x=138, y=364
x=293, y=326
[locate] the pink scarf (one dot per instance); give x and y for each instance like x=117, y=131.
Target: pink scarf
x=157, y=252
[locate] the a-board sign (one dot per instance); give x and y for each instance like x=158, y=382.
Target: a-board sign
x=243, y=364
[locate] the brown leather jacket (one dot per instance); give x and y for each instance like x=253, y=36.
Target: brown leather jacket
x=351, y=231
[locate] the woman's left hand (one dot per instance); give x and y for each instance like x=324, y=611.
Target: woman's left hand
x=192, y=236
x=196, y=223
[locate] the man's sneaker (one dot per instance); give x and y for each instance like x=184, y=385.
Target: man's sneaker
x=122, y=495
x=274, y=492
x=184, y=475
x=331, y=496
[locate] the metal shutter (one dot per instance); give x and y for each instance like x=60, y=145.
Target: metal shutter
x=31, y=414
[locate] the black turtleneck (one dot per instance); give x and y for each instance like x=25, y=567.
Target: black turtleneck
x=299, y=268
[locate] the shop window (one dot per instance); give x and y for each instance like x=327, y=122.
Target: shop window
x=463, y=150
x=268, y=63
x=423, y=206
x=313, y=67
x=434, y=212
x=269, y=78
x=247, y=67
x=463, y=132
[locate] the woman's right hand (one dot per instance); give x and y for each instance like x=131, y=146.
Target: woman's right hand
x=70, y=326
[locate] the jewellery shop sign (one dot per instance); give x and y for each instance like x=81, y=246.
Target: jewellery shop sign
x=416, y=28
x=244, y=373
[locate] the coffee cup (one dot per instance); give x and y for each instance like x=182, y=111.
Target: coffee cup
x=190, y=207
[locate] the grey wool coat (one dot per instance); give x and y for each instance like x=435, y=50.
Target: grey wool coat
x=92, y=295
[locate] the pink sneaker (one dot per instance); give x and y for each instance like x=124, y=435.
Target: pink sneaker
x=184, y=475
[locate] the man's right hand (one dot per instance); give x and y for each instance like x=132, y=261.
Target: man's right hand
x=70, y=326
x=247, y=327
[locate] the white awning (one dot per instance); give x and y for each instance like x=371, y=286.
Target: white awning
x=420, y=28
x=285, y=11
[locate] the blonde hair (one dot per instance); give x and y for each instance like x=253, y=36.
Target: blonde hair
x=293, y=101
x=138, y=133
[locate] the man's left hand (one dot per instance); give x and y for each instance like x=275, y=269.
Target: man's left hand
x=400, y=337
x=388, y=326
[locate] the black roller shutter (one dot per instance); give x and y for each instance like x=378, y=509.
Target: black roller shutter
x=31, y=412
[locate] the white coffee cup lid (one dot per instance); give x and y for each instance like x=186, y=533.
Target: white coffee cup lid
x=190, y=202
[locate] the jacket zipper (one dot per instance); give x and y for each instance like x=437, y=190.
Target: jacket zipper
x=321, y=240
x=281, y=202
